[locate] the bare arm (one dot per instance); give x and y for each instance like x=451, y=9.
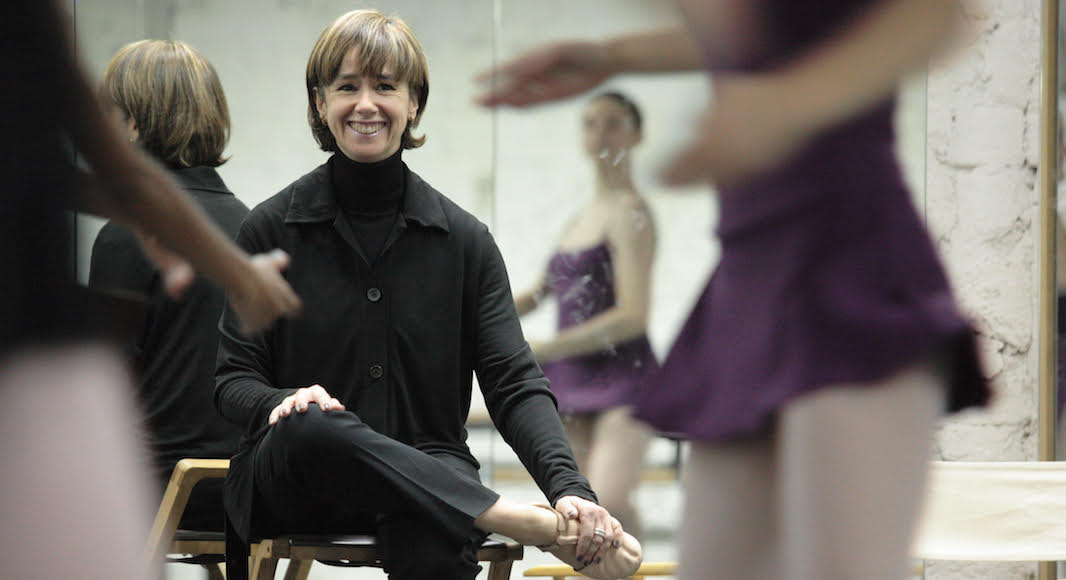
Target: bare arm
x=529, y=300
x=631, y=237
x=566, y=69
x=666, y=50
x=758, y=120
x=865, y=63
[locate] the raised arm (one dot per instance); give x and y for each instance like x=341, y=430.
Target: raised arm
x=631, y=239
x=566, y=69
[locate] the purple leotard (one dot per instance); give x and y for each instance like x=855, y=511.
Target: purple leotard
x=583, y=284
x=827, y=275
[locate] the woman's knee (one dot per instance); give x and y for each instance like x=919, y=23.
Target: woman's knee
x=312, y=431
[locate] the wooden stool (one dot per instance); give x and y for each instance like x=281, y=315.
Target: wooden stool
x=560, y=571
x=355, y=551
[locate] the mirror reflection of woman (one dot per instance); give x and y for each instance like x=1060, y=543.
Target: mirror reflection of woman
x=600, y=275
x=152, y=83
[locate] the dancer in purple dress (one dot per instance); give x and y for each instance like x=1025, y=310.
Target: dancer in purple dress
x=813, y=368
x=600, y=276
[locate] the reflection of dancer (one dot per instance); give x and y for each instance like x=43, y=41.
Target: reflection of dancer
x=356, y=410
x=601, y=277
x=814, y=365
x=72, y=473
x=153, y=82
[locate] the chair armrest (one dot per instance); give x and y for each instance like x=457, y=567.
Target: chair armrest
x=187, y=473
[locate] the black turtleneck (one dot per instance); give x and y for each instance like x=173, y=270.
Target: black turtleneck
x=370, y=195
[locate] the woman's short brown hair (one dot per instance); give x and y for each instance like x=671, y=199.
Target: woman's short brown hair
x=174, y=98
x=379, y=41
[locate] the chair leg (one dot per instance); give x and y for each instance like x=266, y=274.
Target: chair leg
x=214, y=572
x=264, y=563
x=500, y=570
x=298, y=569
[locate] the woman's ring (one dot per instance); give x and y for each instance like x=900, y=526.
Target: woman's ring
x=600, y=532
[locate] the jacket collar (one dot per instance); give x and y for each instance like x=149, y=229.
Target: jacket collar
x=314, y=201
x=201, y=178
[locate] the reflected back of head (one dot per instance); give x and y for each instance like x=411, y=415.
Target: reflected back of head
x=174, y=98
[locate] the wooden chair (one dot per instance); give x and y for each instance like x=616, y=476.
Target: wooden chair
x=561, y=571
x=355, y=551
x=207, y=549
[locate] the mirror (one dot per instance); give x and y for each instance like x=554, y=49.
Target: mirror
x=525, y=173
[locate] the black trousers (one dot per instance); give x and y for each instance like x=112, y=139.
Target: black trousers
x=327, y=472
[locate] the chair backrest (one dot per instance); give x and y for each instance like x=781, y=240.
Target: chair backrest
x=994, y=511
x=187, y=473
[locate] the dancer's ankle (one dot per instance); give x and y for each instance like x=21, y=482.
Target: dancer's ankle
x=526, y=524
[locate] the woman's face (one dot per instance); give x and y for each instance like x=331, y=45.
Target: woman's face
x=367, y=114
x=608, y=130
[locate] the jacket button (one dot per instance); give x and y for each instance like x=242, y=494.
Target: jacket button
x=376, y=372
x=373, y=295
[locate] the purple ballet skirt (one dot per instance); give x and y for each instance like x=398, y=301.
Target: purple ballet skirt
x=583, y=284
x=827, y=277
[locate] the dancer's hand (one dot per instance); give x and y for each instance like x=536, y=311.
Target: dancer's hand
x=591, y=517
x=265, y=295
x=301, y=399
x=177, y=274
x=546, y=74
x=749, y=129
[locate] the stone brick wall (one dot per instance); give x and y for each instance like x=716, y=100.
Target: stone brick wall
x=981, y=203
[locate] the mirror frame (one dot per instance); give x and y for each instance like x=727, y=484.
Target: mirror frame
x=1046, y=292
x=1046, y=354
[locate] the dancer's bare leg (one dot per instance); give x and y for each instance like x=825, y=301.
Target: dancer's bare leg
x=76, y=499
x=853, y=465
x=616, y=462
x=616, y=556
x=729, y=527
x=579, y=433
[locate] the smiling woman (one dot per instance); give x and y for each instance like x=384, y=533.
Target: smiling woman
x=365, y=88
x=358, y=407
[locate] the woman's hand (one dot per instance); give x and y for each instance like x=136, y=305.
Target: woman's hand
x=749, y=129
x=264, y=295
x=597, y=530
x=546, y=74
x=301, y=399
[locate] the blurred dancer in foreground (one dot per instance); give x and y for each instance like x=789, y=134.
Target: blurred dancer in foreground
x=73, y=472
